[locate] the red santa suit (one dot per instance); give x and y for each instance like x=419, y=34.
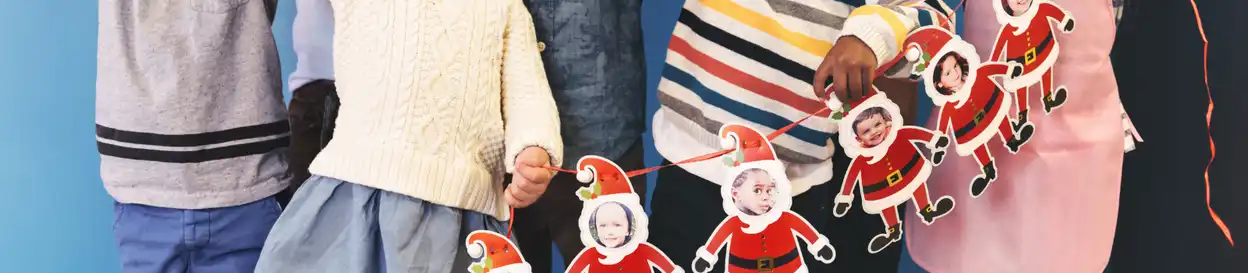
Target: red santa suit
x=976, y=112
x=891, y=172
x=766, y=242
x=1028, y=39
x=609, y=185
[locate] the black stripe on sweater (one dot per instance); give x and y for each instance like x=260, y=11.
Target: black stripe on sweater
x=193, y=140
x=197, y=156
x=746, y=48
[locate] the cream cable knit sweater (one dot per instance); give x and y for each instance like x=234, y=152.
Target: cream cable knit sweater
x=438, y=98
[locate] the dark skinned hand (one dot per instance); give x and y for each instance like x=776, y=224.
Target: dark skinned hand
x=850, y=65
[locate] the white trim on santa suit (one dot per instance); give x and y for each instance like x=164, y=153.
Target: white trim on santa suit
x=640, y=226
x=513, y=268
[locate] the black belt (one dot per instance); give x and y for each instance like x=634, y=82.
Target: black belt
x=893, y=178
x=763, y=264
x=979, y=116
x=1030, y=56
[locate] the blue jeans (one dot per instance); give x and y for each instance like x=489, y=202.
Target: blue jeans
x=164, y=240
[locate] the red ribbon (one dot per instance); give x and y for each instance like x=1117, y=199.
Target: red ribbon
x=1213, y=151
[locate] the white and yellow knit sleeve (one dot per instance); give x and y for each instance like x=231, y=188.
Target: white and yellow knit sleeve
x=884, y=27
x=529, y=113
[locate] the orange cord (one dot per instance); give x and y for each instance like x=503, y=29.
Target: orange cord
x=1213, y=151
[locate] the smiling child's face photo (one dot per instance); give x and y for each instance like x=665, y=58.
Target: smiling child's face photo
x=950, y=73
x=754, y=192
x=872, y=126
x=612, y=224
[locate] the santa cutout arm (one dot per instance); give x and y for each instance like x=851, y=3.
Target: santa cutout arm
x=1065, y=22
x=817, y=244
x=581, y=262
x=996, y=69
x=944, y=120
x=999, y=48
x=657, y=259
x=919, y=134
x=718, y=240
x=846, y=196
x=883, y=28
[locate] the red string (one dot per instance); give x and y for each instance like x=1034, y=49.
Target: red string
x=1213, y=151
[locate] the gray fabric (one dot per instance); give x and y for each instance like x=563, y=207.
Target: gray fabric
x=333, y=226
x=596, y=66
x=807, y=13
x=189, y=107
x=712, y=126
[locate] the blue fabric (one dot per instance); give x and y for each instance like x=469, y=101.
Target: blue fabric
x=595, y=62
x=164, y=240
x=334, y=226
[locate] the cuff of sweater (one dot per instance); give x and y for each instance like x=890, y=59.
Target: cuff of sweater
x=879, y=43
x=552, y=144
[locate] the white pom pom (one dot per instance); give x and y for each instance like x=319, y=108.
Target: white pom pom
x=833, y=104
x=475, y=251
x=585, y=176
x=913, y=54
x=727, y=143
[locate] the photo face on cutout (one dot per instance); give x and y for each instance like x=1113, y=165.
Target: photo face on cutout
x=950, y=73
x=612, y=225
x=872, y=126
x=754, y=192
x=1016, y=7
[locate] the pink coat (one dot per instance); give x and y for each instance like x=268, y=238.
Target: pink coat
x=1054, y=205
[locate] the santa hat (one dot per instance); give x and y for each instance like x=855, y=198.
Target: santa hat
x=926, y=45
x=500, y=255
x=750, y=146
x=608, y=177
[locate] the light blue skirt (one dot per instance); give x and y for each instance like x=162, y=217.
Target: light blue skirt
x=341, y=227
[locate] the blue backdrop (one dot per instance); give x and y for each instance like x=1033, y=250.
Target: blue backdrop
x=54, y=213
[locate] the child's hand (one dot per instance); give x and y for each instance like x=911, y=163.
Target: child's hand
x=851, y=65
x=530, y=178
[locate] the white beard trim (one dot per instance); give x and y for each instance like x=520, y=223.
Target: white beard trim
x=640, y=224
x=513, y=268
x=1020, y=21
x=848, y=139
x=966, y=50
x=784, y=199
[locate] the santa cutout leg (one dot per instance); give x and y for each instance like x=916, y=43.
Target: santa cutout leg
x=927, y=211
x=890, y=235
x=1052, y=98
x=989, y=169
x=1015, y=141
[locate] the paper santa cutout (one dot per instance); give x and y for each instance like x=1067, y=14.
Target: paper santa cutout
x=889, y=166
x=494, y=254
x=1027, y=38
x=972, y=105
x=614, y=226
x=760, y=232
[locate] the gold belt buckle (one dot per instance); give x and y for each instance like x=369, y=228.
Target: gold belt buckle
x=1029, y=57
x=979, y=116
x=894, y=177
x=766, y=264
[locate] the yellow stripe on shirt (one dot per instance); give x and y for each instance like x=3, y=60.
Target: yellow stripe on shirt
x=769, y=25
x=894, y=22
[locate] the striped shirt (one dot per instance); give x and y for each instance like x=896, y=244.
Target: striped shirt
x=751, y=62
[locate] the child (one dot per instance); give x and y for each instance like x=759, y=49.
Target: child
x=872, y=126
x=612, y=224
x=191, y=131
x=754, y=197
x=417, y=161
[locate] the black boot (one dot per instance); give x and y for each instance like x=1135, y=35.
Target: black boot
x=934, y=211
x=979, y=185
x=1022, y=119
x=881, y=241
x=1021, y=137
x=1054, y=100
x=990, y=171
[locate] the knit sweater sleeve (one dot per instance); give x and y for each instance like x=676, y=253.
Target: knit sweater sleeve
x=884, y=27
x=529, y=113
x=312, y=34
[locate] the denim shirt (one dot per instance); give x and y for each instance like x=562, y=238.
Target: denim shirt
x=594, y=59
